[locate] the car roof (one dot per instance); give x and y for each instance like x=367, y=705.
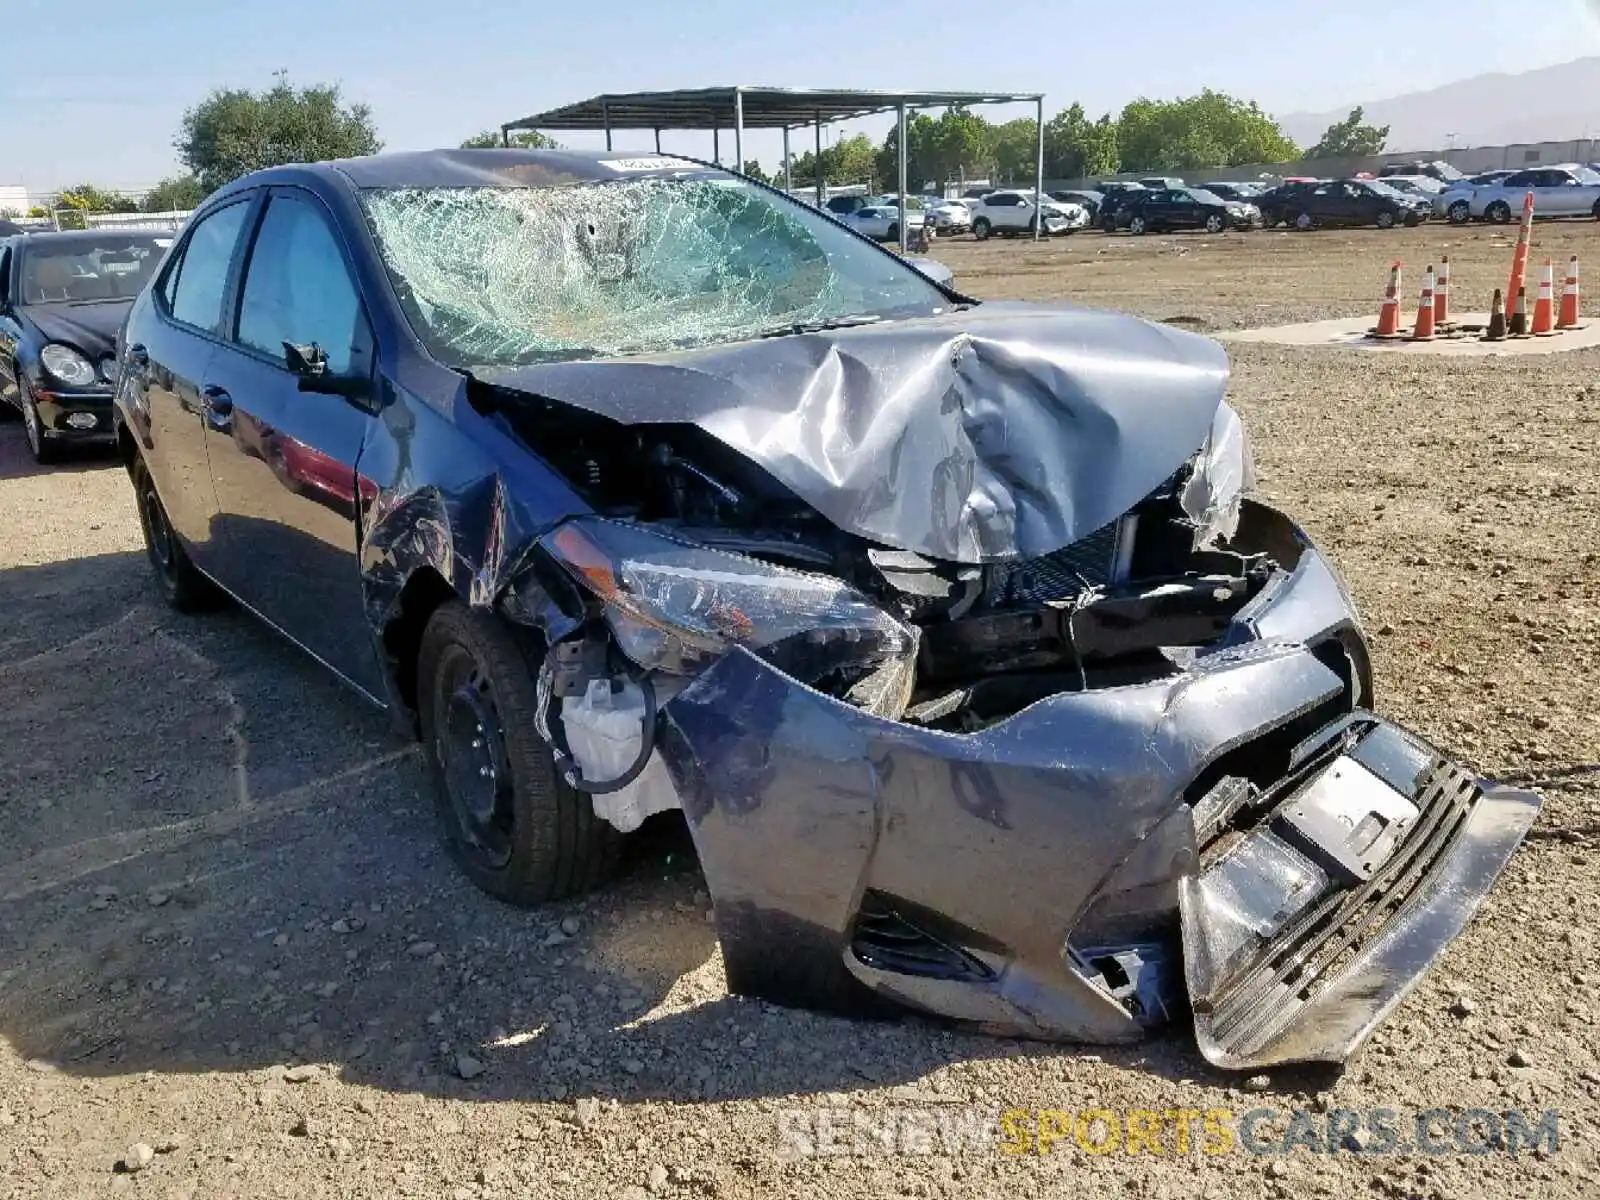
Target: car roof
x=493, y=168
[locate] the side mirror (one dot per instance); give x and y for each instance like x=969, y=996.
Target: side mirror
x=310, y=364
x=935, y=271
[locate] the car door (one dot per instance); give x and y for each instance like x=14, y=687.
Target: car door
x=169, y=349
x=1559, y=194
x=285, y=461
x=10, y=330
x=1004, y=210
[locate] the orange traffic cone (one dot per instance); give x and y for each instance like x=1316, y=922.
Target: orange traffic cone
x=1441, y=293
x=1497, y=319
x=1568, y=317
x=1422, y=331
x=1519, y=314
x=1389, y=315
x=1519, y=256
x=1544, y=308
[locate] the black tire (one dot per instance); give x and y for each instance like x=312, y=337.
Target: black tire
x=892, y=234
x=44, y=451
x=1386, y=220
x=1108, y=224
x=1460, y=213
x=981, y=228
x=1137, y=226
x=1304, y=222
x=524, y=836
x=1499, y=212
x=181, y=582
x=1596, y=210
x=1216, y=224
x=1413, y=219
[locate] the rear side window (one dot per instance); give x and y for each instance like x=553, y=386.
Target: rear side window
x=298, y=290
x=194, y=288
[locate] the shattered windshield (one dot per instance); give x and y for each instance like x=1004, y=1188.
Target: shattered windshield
x=507, y=276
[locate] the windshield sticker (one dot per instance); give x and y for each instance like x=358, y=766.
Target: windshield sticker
x=648, y=164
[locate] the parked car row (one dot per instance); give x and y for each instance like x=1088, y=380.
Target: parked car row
x=1563, y=190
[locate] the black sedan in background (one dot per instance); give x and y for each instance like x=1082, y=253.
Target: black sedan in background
x=1188, y=208
x=1347, y=202
x=62, y=298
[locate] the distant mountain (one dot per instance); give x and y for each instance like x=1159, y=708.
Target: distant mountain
x=1546, y=105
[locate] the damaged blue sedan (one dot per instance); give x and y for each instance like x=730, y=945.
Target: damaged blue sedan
x=986, y=687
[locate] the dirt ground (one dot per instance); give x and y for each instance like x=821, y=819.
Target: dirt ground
x=226, y=932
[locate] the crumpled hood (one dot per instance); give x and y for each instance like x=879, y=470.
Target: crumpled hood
x=91, y=328
x=1005, y=431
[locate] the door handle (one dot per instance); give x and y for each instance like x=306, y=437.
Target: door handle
x=218, y=408
x=138, y=355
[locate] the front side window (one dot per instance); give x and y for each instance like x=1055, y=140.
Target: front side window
x=198, y=282
x=504, y=276
x=298, y=290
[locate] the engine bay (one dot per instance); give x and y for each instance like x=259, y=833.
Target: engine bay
x=1129, y=603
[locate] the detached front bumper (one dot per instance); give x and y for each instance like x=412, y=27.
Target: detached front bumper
x=1056, y=874
x=1304, y=934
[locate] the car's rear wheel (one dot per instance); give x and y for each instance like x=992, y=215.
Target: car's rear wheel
x=892, y=234
x=180, y=581
x=1386, y=220
x=1460, y=213
x=1596, y=210
x=1108, y=224
x=981, y=228
x=1215, y=224
x=1303, y=222
x=44, y=451
x=506, y=816
x=1137, y=226
x=1499, y=212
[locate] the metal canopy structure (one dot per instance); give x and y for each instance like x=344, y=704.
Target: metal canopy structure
x=739, y=108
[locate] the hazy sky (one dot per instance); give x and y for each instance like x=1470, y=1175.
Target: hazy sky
x=94, y=89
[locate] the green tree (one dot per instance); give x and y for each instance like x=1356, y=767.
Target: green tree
x=522, y=139
x=88, y=198
x=1077, y=148
x=752, y=168
x=1351, y=136
x=956, y=145
x=1016, y=149
x=1209, y=130
x=177, y=193
x=851, y=160
x=235, y=131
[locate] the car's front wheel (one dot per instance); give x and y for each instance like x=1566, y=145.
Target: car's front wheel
x=1304, y=222
x=1499, y=212
x=1215, y=224
x=44, y=451
x=892, y=234
x=509, y=820
x=1596, y=210
x=1386, y=220
x=981, y=228
x=1460, y=213
x=180, y=581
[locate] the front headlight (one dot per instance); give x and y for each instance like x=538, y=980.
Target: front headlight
x=67, y=365
x=1224, y=474
x=678, y=607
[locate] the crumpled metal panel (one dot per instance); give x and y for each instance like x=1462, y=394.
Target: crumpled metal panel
x=799, y=802
x=1008, y=431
